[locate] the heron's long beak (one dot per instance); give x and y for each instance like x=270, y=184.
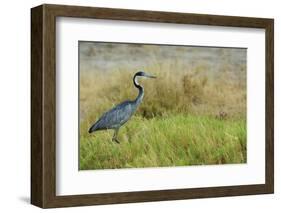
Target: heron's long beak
x=150, y=76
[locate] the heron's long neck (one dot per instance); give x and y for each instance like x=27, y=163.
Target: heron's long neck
x=141, y=91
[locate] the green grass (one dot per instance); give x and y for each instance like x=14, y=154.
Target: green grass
x=174, y=140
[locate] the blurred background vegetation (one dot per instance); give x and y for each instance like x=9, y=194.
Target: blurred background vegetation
x=201, y=85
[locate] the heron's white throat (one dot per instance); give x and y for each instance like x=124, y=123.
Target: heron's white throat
x=136, y=81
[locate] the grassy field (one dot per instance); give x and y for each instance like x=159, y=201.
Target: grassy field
x=193, y=114
x=168, y=141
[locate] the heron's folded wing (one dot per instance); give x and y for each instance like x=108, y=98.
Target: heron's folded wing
x=114, y=117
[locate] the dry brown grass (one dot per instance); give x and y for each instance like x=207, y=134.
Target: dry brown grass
x=177, y=89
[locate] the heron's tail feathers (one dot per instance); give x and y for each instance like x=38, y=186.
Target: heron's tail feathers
x=96, y=126
x=92, y=128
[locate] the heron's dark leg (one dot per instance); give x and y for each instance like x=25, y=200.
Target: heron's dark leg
x=115, y=136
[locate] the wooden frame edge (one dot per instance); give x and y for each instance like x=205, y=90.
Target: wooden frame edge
x=269, y=118
x=37, y=190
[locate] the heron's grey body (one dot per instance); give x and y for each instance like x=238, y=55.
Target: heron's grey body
x=115, y=117
x=120, y=114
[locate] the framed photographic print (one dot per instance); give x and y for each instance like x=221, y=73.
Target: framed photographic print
x=135, y=106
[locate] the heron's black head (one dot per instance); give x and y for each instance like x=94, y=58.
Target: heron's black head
x=143, y=74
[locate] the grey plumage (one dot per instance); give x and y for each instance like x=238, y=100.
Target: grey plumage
x=120, y=114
